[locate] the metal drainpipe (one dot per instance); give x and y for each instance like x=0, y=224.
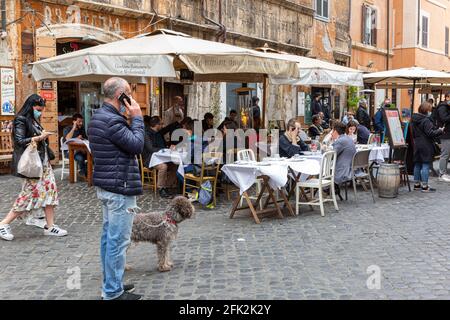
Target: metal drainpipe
x=3, y=8
x=387, y=33
x=418, y=22
x=222, y=30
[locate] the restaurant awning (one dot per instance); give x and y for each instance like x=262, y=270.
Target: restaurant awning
x=162, y=54
x=317, y=72
x=407, y=77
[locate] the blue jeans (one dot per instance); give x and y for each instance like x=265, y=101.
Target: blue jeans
x=80, y=158
x=421, y=172
x=118, y=217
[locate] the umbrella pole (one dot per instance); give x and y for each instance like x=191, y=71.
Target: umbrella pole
x=413, y=96
x=263, y=124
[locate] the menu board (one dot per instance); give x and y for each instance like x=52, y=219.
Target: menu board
x=7, y=91
x=394, y=127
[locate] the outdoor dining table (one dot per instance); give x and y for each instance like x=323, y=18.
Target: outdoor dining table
x=80, y=146
x=274, y=173
x=167, y=155
x=377, y=153
x=244, y=175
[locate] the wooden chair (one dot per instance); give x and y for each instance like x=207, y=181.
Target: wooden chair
x=6, y=152
x=211, y=162
x=148, y=176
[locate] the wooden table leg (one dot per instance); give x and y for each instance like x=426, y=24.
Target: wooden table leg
x=235, y=205
x=272, y=196
x=89, y=168
x=71, y=165
x=252, y=208
x=286, y=202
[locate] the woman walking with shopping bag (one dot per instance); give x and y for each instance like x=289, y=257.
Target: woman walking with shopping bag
x=31, y=161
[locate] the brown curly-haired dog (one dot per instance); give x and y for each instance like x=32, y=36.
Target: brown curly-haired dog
x=162, y=228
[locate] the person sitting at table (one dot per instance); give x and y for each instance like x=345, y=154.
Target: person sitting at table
x=323, y=122
x=231, y=117
x=228, y=143
x=154, y=142
x=349, y=116
x=315, y=130
x=327, y=138
x=290, y=144
x=345, y=149
x=208, y=121
x=350, y=131
x=196, y=146
x=76, y=131
x=363, y=134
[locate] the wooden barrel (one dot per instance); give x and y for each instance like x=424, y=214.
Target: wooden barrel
x=388, y=180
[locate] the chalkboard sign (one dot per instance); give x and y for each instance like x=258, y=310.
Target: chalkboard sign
x=394, y=127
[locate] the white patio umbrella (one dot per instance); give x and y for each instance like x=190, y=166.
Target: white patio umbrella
x=407, y=76
x=161, y=54
x=317, y=72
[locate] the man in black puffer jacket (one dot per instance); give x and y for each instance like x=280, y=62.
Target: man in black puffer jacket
x=115, y=144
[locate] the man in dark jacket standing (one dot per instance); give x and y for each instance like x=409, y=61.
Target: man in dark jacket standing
x=317, y=105
x=115, y=144
x=362, y=115
x=443, y=120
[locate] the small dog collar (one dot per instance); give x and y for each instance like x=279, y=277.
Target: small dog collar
x=171, y=220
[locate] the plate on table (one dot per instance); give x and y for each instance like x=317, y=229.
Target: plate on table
x=264, y=163
x=311, y=153
x=296, y=159
x=243, y=162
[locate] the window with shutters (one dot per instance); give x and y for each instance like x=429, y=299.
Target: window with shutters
x=446, y=40
x=424, y=33
x=369, y=27
x=322, y=9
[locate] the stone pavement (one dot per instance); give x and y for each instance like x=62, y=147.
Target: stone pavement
x=304, y=257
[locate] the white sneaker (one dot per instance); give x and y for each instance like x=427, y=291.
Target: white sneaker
x=55, y=231
x=37, y=222
x=444, y=178
x=5, y=232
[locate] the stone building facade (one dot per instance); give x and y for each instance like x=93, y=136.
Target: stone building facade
x=44, y=28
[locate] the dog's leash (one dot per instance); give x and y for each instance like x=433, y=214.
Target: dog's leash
x=158, y=225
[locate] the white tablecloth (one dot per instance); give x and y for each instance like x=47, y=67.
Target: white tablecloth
x=167, y=155
x=244, y=175
x=378, y=153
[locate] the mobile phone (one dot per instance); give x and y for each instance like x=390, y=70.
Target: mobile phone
x=123, y=97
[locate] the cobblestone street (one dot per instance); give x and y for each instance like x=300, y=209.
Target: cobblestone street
x=304, y=257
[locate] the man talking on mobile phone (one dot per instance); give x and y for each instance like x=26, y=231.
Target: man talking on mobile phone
x=114, y=144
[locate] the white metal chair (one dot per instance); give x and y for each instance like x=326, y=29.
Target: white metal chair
x=65, y=161
x=325, y=179
x=249, y=155
x=371, y=139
